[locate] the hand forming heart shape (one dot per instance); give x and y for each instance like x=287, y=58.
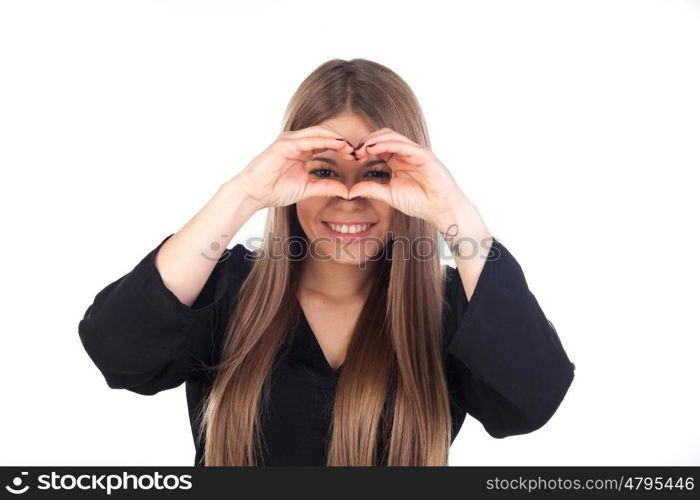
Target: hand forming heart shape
x=420, y=185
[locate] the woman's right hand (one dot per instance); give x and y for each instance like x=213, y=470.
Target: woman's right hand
x=278, y=176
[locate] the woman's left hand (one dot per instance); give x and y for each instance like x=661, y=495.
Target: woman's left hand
x=420, y=185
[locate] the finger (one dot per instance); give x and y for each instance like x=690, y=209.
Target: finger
x=369, y=138
x=411, y=154
x=372, y=190
x=325, y=188
x=362, y=152
x=384, y=134
x=305, y=147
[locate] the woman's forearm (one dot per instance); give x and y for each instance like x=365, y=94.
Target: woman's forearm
x=469, y=241
x=187, y=259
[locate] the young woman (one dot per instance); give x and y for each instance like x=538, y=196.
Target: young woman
x=342, y=340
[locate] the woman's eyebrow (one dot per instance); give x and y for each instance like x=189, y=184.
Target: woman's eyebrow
x=332, y=161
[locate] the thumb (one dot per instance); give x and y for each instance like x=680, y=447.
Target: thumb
x=373, y=190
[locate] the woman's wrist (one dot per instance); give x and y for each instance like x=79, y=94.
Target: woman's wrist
x=234, y=191
x=462, y=212
x=462, y=226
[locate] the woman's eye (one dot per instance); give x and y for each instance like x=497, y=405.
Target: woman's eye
x=380, y=174
x=316, y=172
x=325, y=172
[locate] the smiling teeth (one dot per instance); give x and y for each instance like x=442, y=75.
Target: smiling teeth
x=351, y=229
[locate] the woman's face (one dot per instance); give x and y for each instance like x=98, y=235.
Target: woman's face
x=331, y=223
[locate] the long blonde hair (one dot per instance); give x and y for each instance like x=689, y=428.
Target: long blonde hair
x=395, y=355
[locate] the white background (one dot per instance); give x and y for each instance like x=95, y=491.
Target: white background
x=574, y=126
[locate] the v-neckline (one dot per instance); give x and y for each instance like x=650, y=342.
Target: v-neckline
x=316, y=346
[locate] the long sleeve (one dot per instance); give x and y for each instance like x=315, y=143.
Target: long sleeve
x=142, y=338
x=505, y=359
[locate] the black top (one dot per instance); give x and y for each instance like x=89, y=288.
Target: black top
x=504, y=362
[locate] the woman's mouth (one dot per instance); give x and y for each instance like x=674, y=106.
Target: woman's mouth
x=349, y=230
